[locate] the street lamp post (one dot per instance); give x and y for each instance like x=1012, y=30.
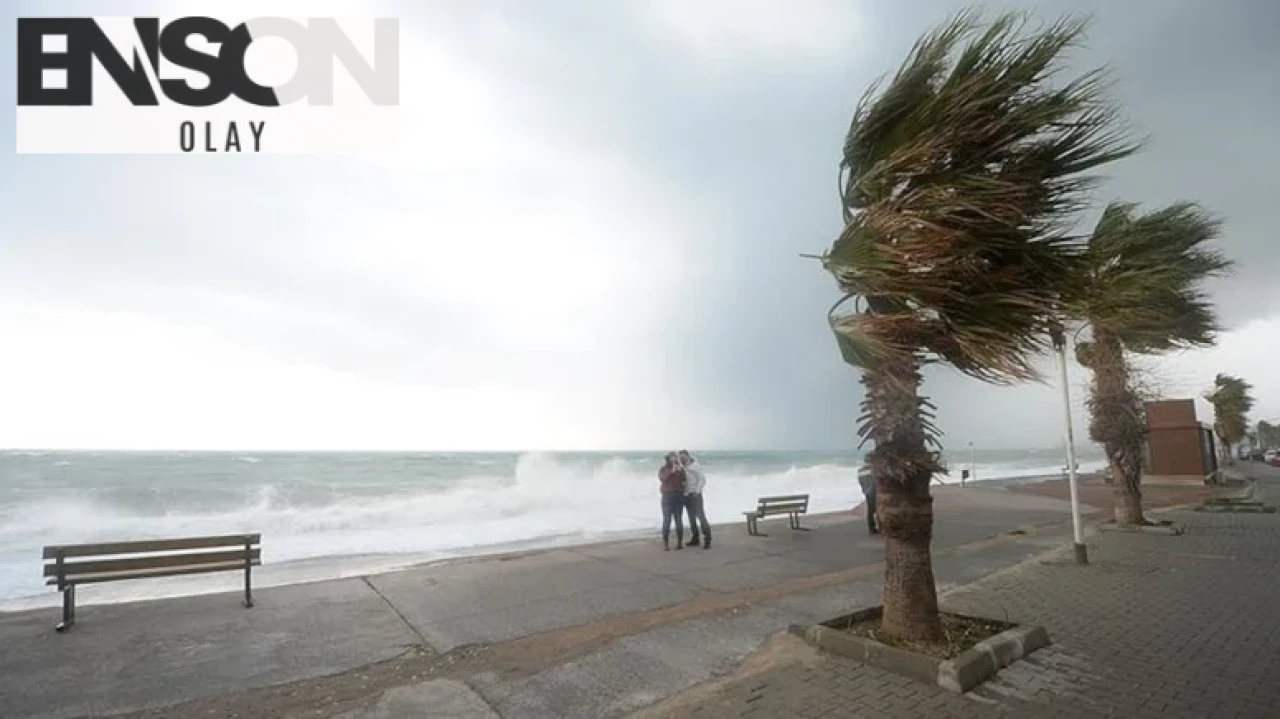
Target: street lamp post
x=1060, y=348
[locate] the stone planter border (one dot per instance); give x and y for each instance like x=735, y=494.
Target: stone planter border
x=1237, y=508
x=959, y=674
x=1163, y=527
x=1239, y=503
x=1246, y=498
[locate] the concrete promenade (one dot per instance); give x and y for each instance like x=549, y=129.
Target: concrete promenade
x=590, y=631
x=1154, y=626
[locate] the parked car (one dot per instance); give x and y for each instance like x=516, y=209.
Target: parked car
x=1271, y=457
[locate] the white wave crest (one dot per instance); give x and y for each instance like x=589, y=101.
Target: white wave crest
x=546, y=497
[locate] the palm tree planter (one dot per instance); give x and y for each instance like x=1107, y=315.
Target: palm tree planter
x=975, y=648
x=957, y=182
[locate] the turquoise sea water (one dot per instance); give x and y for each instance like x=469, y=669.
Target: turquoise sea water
x=313, y=507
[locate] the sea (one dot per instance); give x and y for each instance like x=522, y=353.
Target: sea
x=333, y=514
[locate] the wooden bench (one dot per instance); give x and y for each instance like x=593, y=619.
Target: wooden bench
x=96, y=563
x=792, y=505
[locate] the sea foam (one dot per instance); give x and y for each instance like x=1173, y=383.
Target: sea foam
x=379, y=523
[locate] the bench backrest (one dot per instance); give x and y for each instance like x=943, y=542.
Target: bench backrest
x=149, y=558
x=783, y=504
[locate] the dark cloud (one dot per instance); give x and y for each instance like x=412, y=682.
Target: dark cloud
x=752, y=145
x=759, y=147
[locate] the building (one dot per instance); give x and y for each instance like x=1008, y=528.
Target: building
x=1180, y=448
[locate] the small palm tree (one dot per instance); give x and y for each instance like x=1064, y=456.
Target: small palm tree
x=956, y=182
x=1232, y=400
x=1268, y=435
x=1139, y=292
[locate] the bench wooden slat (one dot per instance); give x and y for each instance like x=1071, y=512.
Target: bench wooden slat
x=792, y=505
x=784, y=498
x=99, y=566
x=152, y=545
x=150, y=573
x=782, y=508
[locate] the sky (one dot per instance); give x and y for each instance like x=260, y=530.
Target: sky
x=590, y=239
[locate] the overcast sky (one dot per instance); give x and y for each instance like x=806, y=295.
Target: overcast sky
x=589, y=241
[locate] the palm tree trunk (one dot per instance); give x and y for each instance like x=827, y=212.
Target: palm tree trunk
x=1118, y=423
x=903, y=468
x=1126, y=495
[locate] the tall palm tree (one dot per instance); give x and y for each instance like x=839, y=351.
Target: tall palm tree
x=1232, y=400
x=956, y=182
x=1139, y=292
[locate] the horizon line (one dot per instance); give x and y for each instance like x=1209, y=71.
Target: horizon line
x=647, y=450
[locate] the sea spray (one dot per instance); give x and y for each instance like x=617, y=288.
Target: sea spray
x=340, y=505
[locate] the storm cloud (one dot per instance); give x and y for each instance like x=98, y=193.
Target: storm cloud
x=591, y=239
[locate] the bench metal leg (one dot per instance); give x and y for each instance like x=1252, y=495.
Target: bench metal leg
x=68, y=608
x=248, y=588
x=755, y=528
x=795, y=523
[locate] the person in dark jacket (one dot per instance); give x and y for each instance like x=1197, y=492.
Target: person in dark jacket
x=867, y=481
x=671, y=484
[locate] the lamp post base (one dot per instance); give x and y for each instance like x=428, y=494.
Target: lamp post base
x=1082, y=553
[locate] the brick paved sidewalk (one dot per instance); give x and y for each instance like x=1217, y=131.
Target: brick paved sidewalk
x=1162, y=626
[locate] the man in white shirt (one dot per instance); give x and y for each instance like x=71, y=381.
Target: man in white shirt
x=694, y=482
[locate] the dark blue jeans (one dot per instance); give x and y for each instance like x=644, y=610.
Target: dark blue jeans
x=673, y=508
x=697, y=516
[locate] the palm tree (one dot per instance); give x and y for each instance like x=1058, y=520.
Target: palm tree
x=1268, y=435
x=1231, y=400
x=1139, y=292
x=956, y=182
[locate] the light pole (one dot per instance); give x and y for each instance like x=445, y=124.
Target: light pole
x=1060, y=347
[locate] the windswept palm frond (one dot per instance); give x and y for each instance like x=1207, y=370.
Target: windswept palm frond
x=957, y=181
x=1141, y=281
x=1139, y=289
x=1232, y=399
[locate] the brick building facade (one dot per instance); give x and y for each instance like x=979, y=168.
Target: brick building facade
x=1180, y=448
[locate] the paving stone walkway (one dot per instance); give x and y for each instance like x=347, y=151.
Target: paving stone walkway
x=1168, y=626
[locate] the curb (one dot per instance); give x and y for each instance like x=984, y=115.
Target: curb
x=989, y=656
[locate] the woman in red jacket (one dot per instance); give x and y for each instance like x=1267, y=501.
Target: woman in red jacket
x=671, y=484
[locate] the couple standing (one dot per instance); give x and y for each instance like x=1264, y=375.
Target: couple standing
x=681, y=481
